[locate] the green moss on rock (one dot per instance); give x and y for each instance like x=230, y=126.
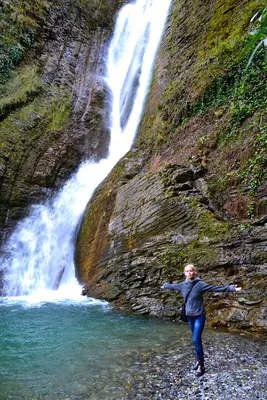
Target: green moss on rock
x=25, y=85
x=19, y=23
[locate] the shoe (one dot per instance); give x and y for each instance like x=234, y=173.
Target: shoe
x=200, y=369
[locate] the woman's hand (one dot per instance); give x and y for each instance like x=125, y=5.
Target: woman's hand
x=163, y=286
x=238, y=288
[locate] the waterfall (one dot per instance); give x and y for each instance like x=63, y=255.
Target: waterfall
x=41, y=249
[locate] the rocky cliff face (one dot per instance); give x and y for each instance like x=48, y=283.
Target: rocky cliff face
x=145, y=232
x=193, y=188
x=53, y=108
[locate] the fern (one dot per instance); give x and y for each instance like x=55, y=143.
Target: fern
x=259, y=34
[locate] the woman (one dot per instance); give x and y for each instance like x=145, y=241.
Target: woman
x=193, y=287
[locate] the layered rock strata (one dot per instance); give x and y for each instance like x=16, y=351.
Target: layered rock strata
x=150, y=227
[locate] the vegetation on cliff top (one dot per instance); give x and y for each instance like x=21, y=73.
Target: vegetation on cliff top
x=259, y=33
x=21, y=22
x=223, y=91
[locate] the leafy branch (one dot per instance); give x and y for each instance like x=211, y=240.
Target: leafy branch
x=260, y=33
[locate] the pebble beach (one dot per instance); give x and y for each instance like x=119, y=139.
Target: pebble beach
x=236, y=368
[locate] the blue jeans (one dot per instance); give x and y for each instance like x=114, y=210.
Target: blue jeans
x=197, y=325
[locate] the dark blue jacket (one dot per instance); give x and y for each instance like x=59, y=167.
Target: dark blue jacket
x=194, y=304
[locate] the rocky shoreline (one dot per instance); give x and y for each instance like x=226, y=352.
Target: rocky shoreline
x=236, y=368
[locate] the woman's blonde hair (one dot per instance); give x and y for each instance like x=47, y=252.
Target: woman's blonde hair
x=191, y=266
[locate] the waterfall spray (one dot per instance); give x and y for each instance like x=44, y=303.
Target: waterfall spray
x=41, y=249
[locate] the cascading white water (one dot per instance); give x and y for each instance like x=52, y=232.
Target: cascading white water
x=42, y=246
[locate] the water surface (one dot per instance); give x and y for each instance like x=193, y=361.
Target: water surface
x=72, y=349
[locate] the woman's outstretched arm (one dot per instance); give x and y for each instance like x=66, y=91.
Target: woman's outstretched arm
x=205, y=287
x=171, y=286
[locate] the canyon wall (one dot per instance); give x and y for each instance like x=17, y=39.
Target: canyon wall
x=193, y=187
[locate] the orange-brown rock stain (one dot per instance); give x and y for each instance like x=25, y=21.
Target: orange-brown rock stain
x=93, y=236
